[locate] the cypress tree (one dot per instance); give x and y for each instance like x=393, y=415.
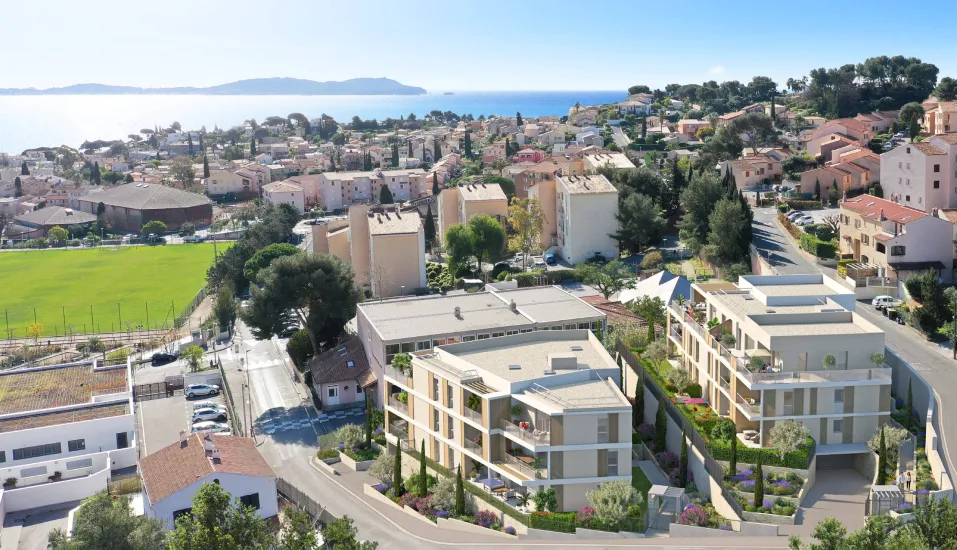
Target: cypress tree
x=690, y=173
x=683, y=462
x=661, y=427
x=644, y=127
x=423, y=486
x=129, y=178
x=332, y=162
x=437, y=154
x=96, y=174
x=508, y=148
x=205, y=167
x=429, y=227
x=459, y=493
x=773, y=114
x=24, y=171
x=817, y=188
x=435, y=183
x=733, y=461
x=367, y=162
x=397, y=472
x=368, y=421
x=410, y=149
x=385, y=195
x=913, y=129
x=395, y=154
x=17, y=187
x=638, y=410
x=189, y=143
x=758, y=483
x=882, y=460
x=468, y=144
x=621, y=375
x=518, y=119
x=678, y=185
x=252, y=146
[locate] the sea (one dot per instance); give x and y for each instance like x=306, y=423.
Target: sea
x=50, y=121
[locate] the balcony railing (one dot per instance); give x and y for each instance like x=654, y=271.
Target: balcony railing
x=398, y=405
x=399, y=431
x=851, y=375
x=475, y=416
x=688, y=320
x=726, y=384
x=753, y=408
x=472, y=446
x=676, y=334
x=531, y=436
x=525, y=468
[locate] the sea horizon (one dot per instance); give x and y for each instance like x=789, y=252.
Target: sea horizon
x=31, y=121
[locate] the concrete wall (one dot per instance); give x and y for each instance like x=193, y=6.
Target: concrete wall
x=99, y=435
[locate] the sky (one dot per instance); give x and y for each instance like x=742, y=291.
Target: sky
x=457, y=45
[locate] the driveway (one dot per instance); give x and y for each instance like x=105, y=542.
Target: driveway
x=836, y=494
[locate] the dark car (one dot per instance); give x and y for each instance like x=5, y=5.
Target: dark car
x=162, y=358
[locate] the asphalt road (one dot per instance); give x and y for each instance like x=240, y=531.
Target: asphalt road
x=933, y=361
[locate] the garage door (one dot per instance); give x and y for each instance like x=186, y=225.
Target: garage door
x=835, y=462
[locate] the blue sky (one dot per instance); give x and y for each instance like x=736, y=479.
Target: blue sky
x=456, y=44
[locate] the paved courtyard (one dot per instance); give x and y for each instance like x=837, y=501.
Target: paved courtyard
x=836, y=494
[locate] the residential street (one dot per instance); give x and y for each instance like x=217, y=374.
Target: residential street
x=932, y=361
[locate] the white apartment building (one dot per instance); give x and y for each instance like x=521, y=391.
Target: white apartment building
x=282, y=192
x=338, y=190
x=922, y=175
x=771, y=367
x=586, y=207
x=407, y=325
x=532, y=410
x=70, y=424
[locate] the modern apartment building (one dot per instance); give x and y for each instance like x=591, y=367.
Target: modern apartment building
x=532, y=410
x=762, y=359
x=586, y=206
x=412, y=324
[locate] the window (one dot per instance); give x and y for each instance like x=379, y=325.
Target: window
x=788, y=409
x=839, y=396
x=907, y=197
x=468, y=338
x=936, y=168
x=897, y=250
x=908, y=152
x=498, y=334
x=3, y=456
x=435, y=389
x=881, y=248
x=76, y=445
x=908, y=166
x=391, y=350
x=582, y=326
x=838, y=426
x=37, y=450
x=557, y=327
x=483, y=336
x=437, y=343
x=936, y=184
x=613, y=462
x=180, y=513
x=78, y=464
x=435, y=419
x=250, y=500
x=510, y=332
x=524, y=330
x=570, y=326
x=424, y=345
x=449, y=396
x=865, y=239
x=603, y=429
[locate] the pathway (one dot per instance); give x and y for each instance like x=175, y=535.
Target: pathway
x=836, y=494
x=652, y=472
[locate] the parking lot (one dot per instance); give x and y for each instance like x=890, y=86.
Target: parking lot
x=162, y=419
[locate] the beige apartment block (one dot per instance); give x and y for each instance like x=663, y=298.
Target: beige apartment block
x=384, y=246
x=782, y=327
x=572, y=430
x=586, y=207
x=339, y=190
x=461, y=204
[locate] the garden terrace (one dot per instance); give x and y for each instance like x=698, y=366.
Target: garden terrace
x=38, y=389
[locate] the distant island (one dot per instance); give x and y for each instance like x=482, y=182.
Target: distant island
x=448, y=93
x=254, y=86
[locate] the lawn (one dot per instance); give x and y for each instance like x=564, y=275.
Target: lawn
x=120, y=284
x=640, y=481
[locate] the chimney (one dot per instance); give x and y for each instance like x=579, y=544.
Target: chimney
x=216, y=455
x=183, y=436
x=208, y=443
x=513, y=306
x=457, y=312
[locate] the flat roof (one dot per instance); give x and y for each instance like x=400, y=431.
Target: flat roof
x=591, y=394
x=810, y=329
x=591, y=184
x=63, y=417
x=37, y=389
x=391, y=223
x=795, y=290
x=549, y=307
x=748, y=305
x=482, y=192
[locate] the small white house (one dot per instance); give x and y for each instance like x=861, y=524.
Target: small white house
x=281, y=192
x=173, y=475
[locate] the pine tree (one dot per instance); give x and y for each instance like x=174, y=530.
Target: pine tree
x=638, y=411
x=397, y=472
x=758, y=483
x=683, y=462
x=368, y=421
x=252, y=147
x=24, y=171
x=733, y=460
x=435, y=184
x=661, y=427
x=518, y=120
x=385, y=195
x=678, y=184
x=205, y=167
x=644, y=127
x=468, y=145
x=882, y=460
x=429, y=228
x=459, y=493
x=423, y=486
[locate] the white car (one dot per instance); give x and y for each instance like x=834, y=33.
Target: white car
x=880, y=302
x=204, y=415
x=194, y=390
x=540, y=264
x=211, y=427
x=207, y=405
x=804, y=220
x=793, y=214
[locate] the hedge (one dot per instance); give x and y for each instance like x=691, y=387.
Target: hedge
x=814, y=245
x=559, y=522
x=795, y=204
x=842, y=266
x=721, y=450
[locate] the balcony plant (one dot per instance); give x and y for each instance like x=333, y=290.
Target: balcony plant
x=10, y=482
x=877, y=359
x=403, y=363
x=474, y=403
x=756, y=364
x=828, y=362
x=516, y=411
x=728, y=340
x=402, y=398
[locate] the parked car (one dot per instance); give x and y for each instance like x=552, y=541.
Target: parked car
x=193, y=239
x=540, y=264
x=204, y=415
x=880, y=302
x=194, y=390
x=793, y=214
x=210, y=427
x=804, y=220
x=162, y=358
x=550, y=259
x=207, y=405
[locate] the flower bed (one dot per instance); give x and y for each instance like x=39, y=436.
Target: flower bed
x=774, y=484
x=328, y=455
x=699, y=512
x=775, y=506
x=925, y=476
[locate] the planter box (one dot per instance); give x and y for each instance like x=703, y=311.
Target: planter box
x=356, y=466
x=370, y=491
x=459, y=525
x=759, y=517
x=793, y=500
x=325, y=466
x=903, y=517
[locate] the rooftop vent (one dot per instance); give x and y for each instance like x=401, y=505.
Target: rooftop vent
x=513, y=306
x=216, y=455
x=457, y=312
x=576, y=348
x=208, y=443
x=183, y=436
x=350, y=364
x=514, y=367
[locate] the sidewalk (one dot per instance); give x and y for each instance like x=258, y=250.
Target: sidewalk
x=652, y=472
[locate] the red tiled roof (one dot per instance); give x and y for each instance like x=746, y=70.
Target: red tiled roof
x=176, y=467
x=928, y=148
x=949, y=214
x=883, y=237
x=950, y=138
x=344, y=362
x=872, y=207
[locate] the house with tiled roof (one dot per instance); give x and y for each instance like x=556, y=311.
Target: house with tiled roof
x=341, y=376
x=130, y=206
x=173, y=475
x=922, y=175
x=37, y=223
x=898, y=238
x=940, y=117
x=838, y=133
x=879, y=121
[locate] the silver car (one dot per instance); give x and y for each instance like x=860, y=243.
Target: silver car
x=204, y=415
x=194, y=390
x=211, y=427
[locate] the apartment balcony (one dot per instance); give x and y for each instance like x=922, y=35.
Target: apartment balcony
x=821, y=376
x=525, y=467
x=687, y=320
x=474, y=416
x=725, y=384
x=751, y=407
x=399, y=430
x=399, y=405
x=675, y=334
x=529, y=434
x=472, y=446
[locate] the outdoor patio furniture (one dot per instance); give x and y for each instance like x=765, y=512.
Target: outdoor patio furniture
x=749, y=433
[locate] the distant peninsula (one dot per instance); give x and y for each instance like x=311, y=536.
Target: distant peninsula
x=254, y=86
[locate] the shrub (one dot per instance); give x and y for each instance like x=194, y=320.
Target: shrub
x=611, y=500
x=788, y=436
x=694, y=514
x=412, y=483
x=584, y=514
x=693, y=390
x=723, y=430
x=350, y=435
x=443, y=496
x=652, y=260
x=382, y=468
x=510, y=530
x=646, y=431
x=486, y=518
x=721, y=450
x=327, y=454
x=545, y=500
x=679, y=377
x=795, y=204
x=842, y=266
x=667, y=460
x=813, y=245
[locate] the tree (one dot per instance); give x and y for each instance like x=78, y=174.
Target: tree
x=946, y=89
x=817, y=188
x=652, y=310
x=612, y=499
x=205, y=167
x=299, y=348
x=829, y=532
x=397, y=473
x=385, y=195
x=105, y=522
x=611, y=278
x=437, y=152
x=935, y=522
x=459, y=243
x=35, y=331
x=214, y=523
x=913, y=128
x=488, y=238
x=756, y=129
x=435, y=184
x=429, y=228
x=57, y=234
x=518, y=120
x=193, y=357
x=644, y=128
x=467, y=147
x=683, y=462
x=24, y=171
x=882, y=461
x=264, y=257
x=96, y=174
x=297, y=531
x=698, y=202
x=911, y=111
x=459, y=492
x=224, y=308
x=639, y=223
x=153, y=227
x=17, y=187
x=252, y=147
x=788, y=436
x=181, y=169
x=319, y=290
x=661, y=428
x=395, y=154
x=652, y=260
x=909, y=404
x=527, y=219
x=725, y=241
x=733, y=460
x=638, y=409
x=759, y=481
x=423, y=488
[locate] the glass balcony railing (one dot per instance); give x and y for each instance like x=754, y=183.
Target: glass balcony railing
x=531, y=435
x=821, y=376
x=398, y=405
x=472, y=446
x=399, y=430
x=474, y=416
x=525, y=466
x=751, y=406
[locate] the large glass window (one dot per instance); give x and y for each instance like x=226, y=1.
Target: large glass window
x=788, y=403
x=37, y=450
x=250, y=500
x=391, y=350
x=76, y=445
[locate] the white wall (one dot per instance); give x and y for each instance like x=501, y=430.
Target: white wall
x=100, y=435
x=589, y=221
x=235, y=484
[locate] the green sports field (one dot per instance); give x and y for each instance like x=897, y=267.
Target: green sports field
x=123, y=286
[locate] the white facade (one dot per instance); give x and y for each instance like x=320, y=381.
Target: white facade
x=237, y=485
x=922, y=176
x=281, y=193
x=586, y=220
